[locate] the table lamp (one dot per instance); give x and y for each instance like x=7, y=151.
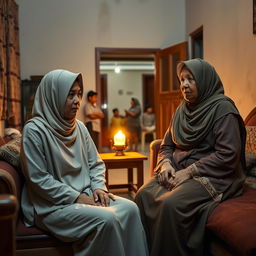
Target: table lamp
x=119, y=143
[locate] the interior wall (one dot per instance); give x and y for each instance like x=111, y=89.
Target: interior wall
x=122, y=87
x=64, y=33
x=229, y=45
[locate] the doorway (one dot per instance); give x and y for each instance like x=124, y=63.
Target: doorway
x=197, y=46
x=166, y=86
x=127, y=56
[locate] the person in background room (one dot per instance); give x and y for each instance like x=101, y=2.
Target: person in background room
x=133, y=124
x=200, y=163
x=148, y=120
x=117, y=122
x=93, y=115
x=64, y=191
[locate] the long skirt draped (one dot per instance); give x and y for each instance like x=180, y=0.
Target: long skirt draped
x=95, y=230
x=175, y=220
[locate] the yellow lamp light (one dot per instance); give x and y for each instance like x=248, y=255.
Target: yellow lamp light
x=119, y=143
x=119, y=138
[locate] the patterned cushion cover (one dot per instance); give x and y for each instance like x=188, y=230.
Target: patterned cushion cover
x=250, y=164
x=251, y=139
x=10, y=152
x=250, y=182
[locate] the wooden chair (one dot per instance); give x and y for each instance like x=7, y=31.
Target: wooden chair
x=143, y=138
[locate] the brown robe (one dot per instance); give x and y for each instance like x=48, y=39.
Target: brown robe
x=175, y=220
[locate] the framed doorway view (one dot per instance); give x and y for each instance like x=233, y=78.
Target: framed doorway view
x=166, y=94
x=117, y=55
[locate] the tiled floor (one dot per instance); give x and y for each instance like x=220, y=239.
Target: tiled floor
x=119, y=176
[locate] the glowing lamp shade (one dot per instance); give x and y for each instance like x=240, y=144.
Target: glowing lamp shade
x=117, y=69
x=119, y=143
x=119, y=139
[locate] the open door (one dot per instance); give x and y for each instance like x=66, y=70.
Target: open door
x=167, y=92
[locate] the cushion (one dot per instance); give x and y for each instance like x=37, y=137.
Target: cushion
x=250, y=146
x=234, y=222
x=10, y=152
x=250, y=164
x=251, y=182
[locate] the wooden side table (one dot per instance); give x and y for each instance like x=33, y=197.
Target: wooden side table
x=130, y=160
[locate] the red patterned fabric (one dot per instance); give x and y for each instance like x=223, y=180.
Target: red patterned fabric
x=234, y=221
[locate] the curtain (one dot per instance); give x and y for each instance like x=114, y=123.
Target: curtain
x=10, y=92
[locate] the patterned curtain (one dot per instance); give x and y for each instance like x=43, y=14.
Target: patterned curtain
x=10, y=95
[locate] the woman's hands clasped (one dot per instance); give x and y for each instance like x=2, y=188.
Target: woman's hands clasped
x=169, y=178
x=99, y=198
x=102, y=197
x=166, y=173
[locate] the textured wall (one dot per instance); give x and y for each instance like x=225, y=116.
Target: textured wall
x=64, y=33
x=229, y=44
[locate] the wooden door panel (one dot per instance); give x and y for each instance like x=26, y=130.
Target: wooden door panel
x=168, y=95
x=104, y=101
x=167, y=106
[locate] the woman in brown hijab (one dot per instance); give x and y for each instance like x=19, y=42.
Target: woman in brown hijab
x=200, y=164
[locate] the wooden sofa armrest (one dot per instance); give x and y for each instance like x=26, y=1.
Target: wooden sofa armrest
x=8, y=212
x=154, y=148
x=7, y=184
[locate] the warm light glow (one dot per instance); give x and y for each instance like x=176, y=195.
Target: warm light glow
x=117, y=69
x=119, y=138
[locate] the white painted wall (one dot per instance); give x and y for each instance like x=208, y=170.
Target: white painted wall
x=130, y=83
x=64, y=33
x=229, y=45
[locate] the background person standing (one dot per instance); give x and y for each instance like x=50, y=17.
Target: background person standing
x=133, y=124
x=93, y=115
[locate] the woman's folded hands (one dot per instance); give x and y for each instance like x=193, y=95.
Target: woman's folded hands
x=100, y=198
x=170, y=178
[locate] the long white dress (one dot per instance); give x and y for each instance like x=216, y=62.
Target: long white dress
x=48, y=196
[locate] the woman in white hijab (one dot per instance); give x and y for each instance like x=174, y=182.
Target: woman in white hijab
x=65, y=190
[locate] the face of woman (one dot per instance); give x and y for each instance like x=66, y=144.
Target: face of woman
x=72, y=102
x=188, y=86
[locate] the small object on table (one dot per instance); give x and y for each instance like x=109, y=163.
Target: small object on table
x=119, y=143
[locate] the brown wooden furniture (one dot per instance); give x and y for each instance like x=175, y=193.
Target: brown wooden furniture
x=8, y=210
x=130, y=160
x=231, y=227
x=29, y=241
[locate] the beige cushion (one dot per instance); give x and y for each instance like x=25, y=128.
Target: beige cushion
x=10, y=152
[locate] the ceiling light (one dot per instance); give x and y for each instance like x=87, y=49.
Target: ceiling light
x=117, y=69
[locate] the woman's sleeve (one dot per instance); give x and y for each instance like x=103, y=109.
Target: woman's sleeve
x=97, y=167
x=38, y=178
x=136, y=111
x=226, y=155
x=166, y=151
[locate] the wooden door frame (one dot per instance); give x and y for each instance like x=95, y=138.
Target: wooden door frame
x=160, y=128
x=118, y=51
x=194, y=35
x=144, y=76
x=122, y=51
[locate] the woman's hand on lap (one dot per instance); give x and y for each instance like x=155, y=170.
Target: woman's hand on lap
x=166, y=173
x=179, y=178
x=102, y=197
x=84, y=199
